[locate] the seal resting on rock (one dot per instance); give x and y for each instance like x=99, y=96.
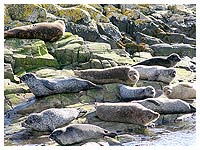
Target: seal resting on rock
x=128, y=93
x=45, y=31
x=44, y=87
x=167, y=106
x=119, y=74
x=156, y=73
x=76, y=133
x=126, y=113
x=50, y=119
x=167, y=62
x=184, y=91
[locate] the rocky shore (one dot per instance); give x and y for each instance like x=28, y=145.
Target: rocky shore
x=96, y=37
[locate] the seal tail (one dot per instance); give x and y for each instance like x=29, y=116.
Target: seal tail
x=193, y=109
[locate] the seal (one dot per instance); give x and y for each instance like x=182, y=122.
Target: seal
x=182, y=90
x=126, y=113
x=167, y=62
x=118, y=74
x=167, y=106
x=156, y=73
x=44, y=87
x=45, y=31
x=76, y=133
x=128, y=93
x=52, y=118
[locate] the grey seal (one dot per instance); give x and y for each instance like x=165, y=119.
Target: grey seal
x=76, y=133
x=167, y=106
x=182, y=90
x=169, y=61
x=52, y=118
x=128, y=93
x=44, y=31
x=118, y=74
x=156, y=73
x=126, y=113
x=45, y=87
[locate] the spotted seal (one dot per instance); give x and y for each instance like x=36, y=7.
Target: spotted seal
x=156, y=73
x=182, y=90
x=126, y=113
x=118, y=74
x=128, y=93
x=44, y=87
x=76, y=133
x=167, y=106
x=52, y=118
x=45, y=31
x=167, y=62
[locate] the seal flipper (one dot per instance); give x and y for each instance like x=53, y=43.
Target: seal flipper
x=109, y=134
x=48, y=85
x=153, y=101
x=82, y=112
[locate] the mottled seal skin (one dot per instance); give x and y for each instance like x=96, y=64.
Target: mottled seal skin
x=44, y=87
x=126, y=113
x=156, y=73
x=119, y=74
x=44, y=31
x=167, y=106
x=128, y=93
x=52, y=118
x=76, y=133
x=184, y=91
x=167, y=62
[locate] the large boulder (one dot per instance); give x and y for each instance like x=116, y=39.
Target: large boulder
x=167, y=49
x=29, y=54
x=26, y=12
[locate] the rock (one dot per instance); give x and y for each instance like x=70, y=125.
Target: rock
x=8, y=56
x=67, y=38
x=27, y=12
x=73, y=14
x=109, y=30
x=143, y=38
x=8, y=73
x=176, y=38
x=167, y=49
x=148, y=27
x=29, y=54
x=94, y=13
x=88, y=33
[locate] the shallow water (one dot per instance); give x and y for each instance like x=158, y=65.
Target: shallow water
x=182, y=133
